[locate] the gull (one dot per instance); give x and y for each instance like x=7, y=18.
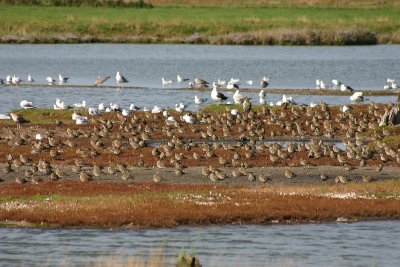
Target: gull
x=133, y=107
x=234, y=112
x=233, y=80
x=336, y=83
x=8, y=79
x=345, y=108
x=394, y=86
x=50, y=80
x=238, y=98
x=93, y=111
x=189, y=119
x=115, y=107
x=232, y=85
x=322, y=85
x=62, y=79
x=387, y=87
x=391, y=80
x=126, y=113
x=171, y=119
x=101, y=79
x=25, y=104
x=265, y=82
x=317, y=84
x=156, y=109
x=165, y=82
x=16, y=79
x=180, y=79
x=345, y=88
x=61, y=105
x=199, y=101
x=200, y=82
x=18, y=119
x=120, y=79
x=249, y=82
x=4, y=117
x=30, y=79
x=313, y=105
x=357, y=97
x=180, y=108
x=217, y=96
x=262, y=99
x=221, y=82
x=102, y=107
x=80, y=105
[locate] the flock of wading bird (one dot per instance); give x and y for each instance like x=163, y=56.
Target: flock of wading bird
x=226, y=145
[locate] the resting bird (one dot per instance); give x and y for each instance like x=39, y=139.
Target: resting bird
x=120, y=79
x=25, y=104
x=101, y=79
x=18, y=119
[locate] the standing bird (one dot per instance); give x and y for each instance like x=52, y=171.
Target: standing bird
x=238, y=98
x=180, y=79
x=217, y=96
x=336, y=83
x=62, y=79
x=262, y=95
x=120, y=79
x=246, y=105
x=101, y=79
x=30, y=79
x=18, y=119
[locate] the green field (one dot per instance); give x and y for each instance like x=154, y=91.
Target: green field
x=213, y=25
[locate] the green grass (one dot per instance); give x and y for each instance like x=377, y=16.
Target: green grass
x=45, y=116
x=174, y=24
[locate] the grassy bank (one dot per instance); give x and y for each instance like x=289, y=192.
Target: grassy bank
x=73, y=204
x=228, y=25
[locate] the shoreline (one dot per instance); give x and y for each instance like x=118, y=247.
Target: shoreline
x=298, y=91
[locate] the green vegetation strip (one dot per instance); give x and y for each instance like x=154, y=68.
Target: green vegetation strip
x=227, y=25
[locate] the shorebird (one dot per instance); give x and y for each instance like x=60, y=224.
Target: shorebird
x=120, y=79
x=157, y=177
x=246, y=105
x=217, y=96
x=25, y=104
x=101, y=79
x=189, y=119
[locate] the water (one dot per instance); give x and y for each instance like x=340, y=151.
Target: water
x=330, y=245
x=364, y=67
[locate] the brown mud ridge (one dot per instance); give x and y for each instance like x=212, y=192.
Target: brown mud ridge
x=144, y=168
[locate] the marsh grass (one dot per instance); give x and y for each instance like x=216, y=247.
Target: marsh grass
x=40, y=116
x=201, y=25
x=198, y=205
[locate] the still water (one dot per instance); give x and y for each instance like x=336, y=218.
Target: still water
x=331, y=245
x=362, y=67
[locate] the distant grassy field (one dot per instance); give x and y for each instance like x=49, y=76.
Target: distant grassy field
x=228, y=25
